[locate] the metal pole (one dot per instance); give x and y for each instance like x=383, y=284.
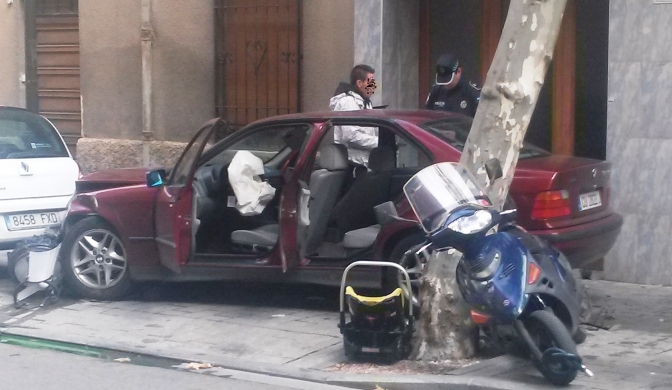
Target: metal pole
x=147, y=36
x=32, y=93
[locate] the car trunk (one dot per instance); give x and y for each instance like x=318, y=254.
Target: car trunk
x=586, y=182
x=37, y=177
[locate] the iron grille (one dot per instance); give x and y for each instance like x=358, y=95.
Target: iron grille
x=258, y=55
x=57, y=7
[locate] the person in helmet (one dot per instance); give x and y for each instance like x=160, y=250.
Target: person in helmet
x=451, y=92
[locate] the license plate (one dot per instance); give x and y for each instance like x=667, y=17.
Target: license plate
x=590, y=200
x=370, y=349
x=31, y=221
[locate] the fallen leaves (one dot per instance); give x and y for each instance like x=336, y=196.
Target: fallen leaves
x=197, y=366
x=403, y=367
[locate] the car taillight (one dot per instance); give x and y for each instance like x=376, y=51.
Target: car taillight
x=551, y=204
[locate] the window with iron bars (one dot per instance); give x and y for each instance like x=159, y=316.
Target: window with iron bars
x=57, y=7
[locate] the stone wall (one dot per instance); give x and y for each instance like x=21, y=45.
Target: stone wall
x=326, y=45
x=12, y=49
x=183, y=70
x=387, y=38
x=639, y=140
x=95, y=154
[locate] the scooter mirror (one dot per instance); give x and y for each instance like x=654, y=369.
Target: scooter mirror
x=385, y=213
x=494, y=169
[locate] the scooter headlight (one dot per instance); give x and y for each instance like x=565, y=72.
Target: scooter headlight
x=476, y=222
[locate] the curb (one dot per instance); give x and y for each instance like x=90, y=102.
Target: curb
x=362, y=381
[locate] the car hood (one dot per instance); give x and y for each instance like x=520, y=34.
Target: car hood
x=111, y=178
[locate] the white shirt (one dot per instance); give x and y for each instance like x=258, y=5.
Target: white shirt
x=359, y=140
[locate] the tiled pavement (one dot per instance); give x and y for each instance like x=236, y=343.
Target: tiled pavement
x=284, y=331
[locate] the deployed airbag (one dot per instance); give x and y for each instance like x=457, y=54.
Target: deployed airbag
x=252, y=194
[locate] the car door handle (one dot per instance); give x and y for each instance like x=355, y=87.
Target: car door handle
x=24, y=170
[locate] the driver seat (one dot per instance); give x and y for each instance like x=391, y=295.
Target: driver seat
x=325, y=184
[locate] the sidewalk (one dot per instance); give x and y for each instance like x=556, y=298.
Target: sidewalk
x=289, y=333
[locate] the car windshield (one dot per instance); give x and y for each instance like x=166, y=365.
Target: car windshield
x=27, y=135
x=455, y=130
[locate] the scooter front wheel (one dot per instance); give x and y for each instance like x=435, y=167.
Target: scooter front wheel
x=547, y=331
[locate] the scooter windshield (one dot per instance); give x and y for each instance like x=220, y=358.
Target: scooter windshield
x=437, y=190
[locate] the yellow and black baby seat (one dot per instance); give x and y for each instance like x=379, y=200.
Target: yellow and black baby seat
x=379, y=326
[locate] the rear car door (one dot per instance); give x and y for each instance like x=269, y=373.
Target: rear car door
x=173, y=205
x=410, y=160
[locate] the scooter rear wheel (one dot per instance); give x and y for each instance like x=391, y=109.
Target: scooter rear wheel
x=548, y=331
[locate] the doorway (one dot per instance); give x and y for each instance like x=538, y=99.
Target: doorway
x=52, y=65
x=258, y=59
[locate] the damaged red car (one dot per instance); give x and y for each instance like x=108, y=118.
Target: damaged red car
x=186, y=223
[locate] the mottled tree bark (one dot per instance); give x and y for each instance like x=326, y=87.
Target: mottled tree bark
x=511, y=90
x=507, y=101
x=445, y=329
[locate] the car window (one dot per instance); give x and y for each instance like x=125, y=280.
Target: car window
x=409, y=156
x=455, y=130
x=265, y=143
x=182, y=170
x=26, y=135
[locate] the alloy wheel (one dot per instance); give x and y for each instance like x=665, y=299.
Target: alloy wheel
x=98, y=259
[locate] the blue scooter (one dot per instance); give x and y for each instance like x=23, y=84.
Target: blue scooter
x=521, y=289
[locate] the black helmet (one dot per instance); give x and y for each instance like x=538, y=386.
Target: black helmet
x=446, y=66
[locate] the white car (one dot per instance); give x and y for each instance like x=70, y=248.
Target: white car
x=37, y=177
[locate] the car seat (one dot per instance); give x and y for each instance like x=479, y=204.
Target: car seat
x=324, y=186
x=355, y=209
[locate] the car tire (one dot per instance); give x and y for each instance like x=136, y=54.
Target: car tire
x=93, y=260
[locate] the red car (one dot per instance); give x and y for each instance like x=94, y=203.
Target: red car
x=132, y=225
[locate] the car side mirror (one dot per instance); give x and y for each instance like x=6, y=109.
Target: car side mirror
x=156, y=178
x=494, y=169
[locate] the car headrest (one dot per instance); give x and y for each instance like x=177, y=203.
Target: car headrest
x=334, y=157
x=294, y=138
x=382, y=159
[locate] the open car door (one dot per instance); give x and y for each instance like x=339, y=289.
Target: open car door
x=172, y=207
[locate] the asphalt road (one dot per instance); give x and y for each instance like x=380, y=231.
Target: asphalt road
x=28, y=369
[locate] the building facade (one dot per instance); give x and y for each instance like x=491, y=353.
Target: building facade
x=639, y=139
x=129, y=81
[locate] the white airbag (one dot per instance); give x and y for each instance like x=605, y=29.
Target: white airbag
x=252, y=194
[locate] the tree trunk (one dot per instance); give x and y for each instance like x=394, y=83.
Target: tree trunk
x=445, y=329
x=511, y=90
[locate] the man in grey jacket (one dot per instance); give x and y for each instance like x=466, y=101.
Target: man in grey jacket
x=355, y=96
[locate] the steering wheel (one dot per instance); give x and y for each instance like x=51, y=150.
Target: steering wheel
x=7, y=149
